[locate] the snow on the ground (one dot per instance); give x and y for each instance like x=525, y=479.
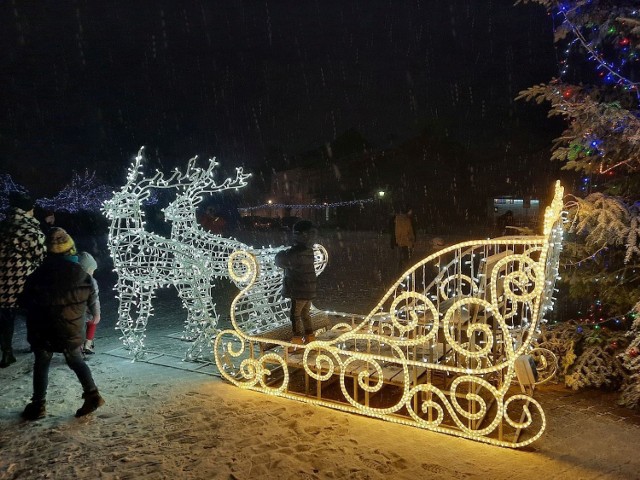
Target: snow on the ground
x=162, y=422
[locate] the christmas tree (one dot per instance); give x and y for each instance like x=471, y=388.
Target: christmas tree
x=597, y=93
x=631, y=361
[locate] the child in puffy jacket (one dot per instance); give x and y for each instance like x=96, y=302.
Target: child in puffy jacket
x=89, y=265
x=300, y=280
x=56, y=296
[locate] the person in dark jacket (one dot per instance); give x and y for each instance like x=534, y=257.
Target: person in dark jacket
x=21, y=251
x=56, y=297
x=505, y=220
x=47, y=219
x=300, y=281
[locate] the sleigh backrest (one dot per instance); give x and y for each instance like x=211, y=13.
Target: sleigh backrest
x=481, y=299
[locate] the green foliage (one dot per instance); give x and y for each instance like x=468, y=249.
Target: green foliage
x=603, y=275
x=589, y=355
x=615, y=129
x=601, y=142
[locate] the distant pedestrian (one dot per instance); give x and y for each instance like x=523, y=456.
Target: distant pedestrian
x=56, y=297
x=21, y=251
x=505, y=220
x=89, y=265
x=300, y=280
x=404, y=235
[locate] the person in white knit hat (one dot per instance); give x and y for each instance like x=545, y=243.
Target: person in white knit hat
x=89, y=265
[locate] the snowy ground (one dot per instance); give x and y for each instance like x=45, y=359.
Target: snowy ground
x=169, y=422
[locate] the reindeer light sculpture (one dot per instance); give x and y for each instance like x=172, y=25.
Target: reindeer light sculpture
x=214, y=252
x=211, y=250
x=145, y=261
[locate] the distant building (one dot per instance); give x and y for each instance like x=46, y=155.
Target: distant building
x=526, y=211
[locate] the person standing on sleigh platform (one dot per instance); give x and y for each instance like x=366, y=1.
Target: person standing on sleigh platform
x=300, y=280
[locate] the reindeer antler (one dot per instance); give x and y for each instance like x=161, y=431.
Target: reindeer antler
x=177, y=179
x=203, y=181
x=135, y=169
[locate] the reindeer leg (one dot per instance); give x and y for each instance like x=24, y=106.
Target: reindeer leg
x=125, y=322
x=205, y=321
x=192, y=303
x=145, y=311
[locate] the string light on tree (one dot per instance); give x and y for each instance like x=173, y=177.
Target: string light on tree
x=620, y=51
x=7, y=185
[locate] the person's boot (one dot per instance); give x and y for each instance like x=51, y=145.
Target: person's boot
x=88, y=348
x=92, y=401
x=7, y=358
x=34, y=410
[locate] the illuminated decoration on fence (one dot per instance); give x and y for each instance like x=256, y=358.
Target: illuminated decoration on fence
x=83, y=193
x=145, y=261
x=350, y=203
x=446, y=341
x=191, y=260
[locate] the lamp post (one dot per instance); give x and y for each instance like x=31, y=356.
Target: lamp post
x=380, y=211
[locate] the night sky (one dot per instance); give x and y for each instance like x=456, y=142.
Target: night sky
x=86, y=82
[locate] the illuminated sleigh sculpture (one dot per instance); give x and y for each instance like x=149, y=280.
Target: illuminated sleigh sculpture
x=448, y=348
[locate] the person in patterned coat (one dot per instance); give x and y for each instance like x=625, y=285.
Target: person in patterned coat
x=22, y=249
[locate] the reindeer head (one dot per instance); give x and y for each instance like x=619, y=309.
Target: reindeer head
x=125, y=203
x=201, y=181
x=128, y=202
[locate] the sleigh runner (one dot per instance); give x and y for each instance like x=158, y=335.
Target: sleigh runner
x=448, y=348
